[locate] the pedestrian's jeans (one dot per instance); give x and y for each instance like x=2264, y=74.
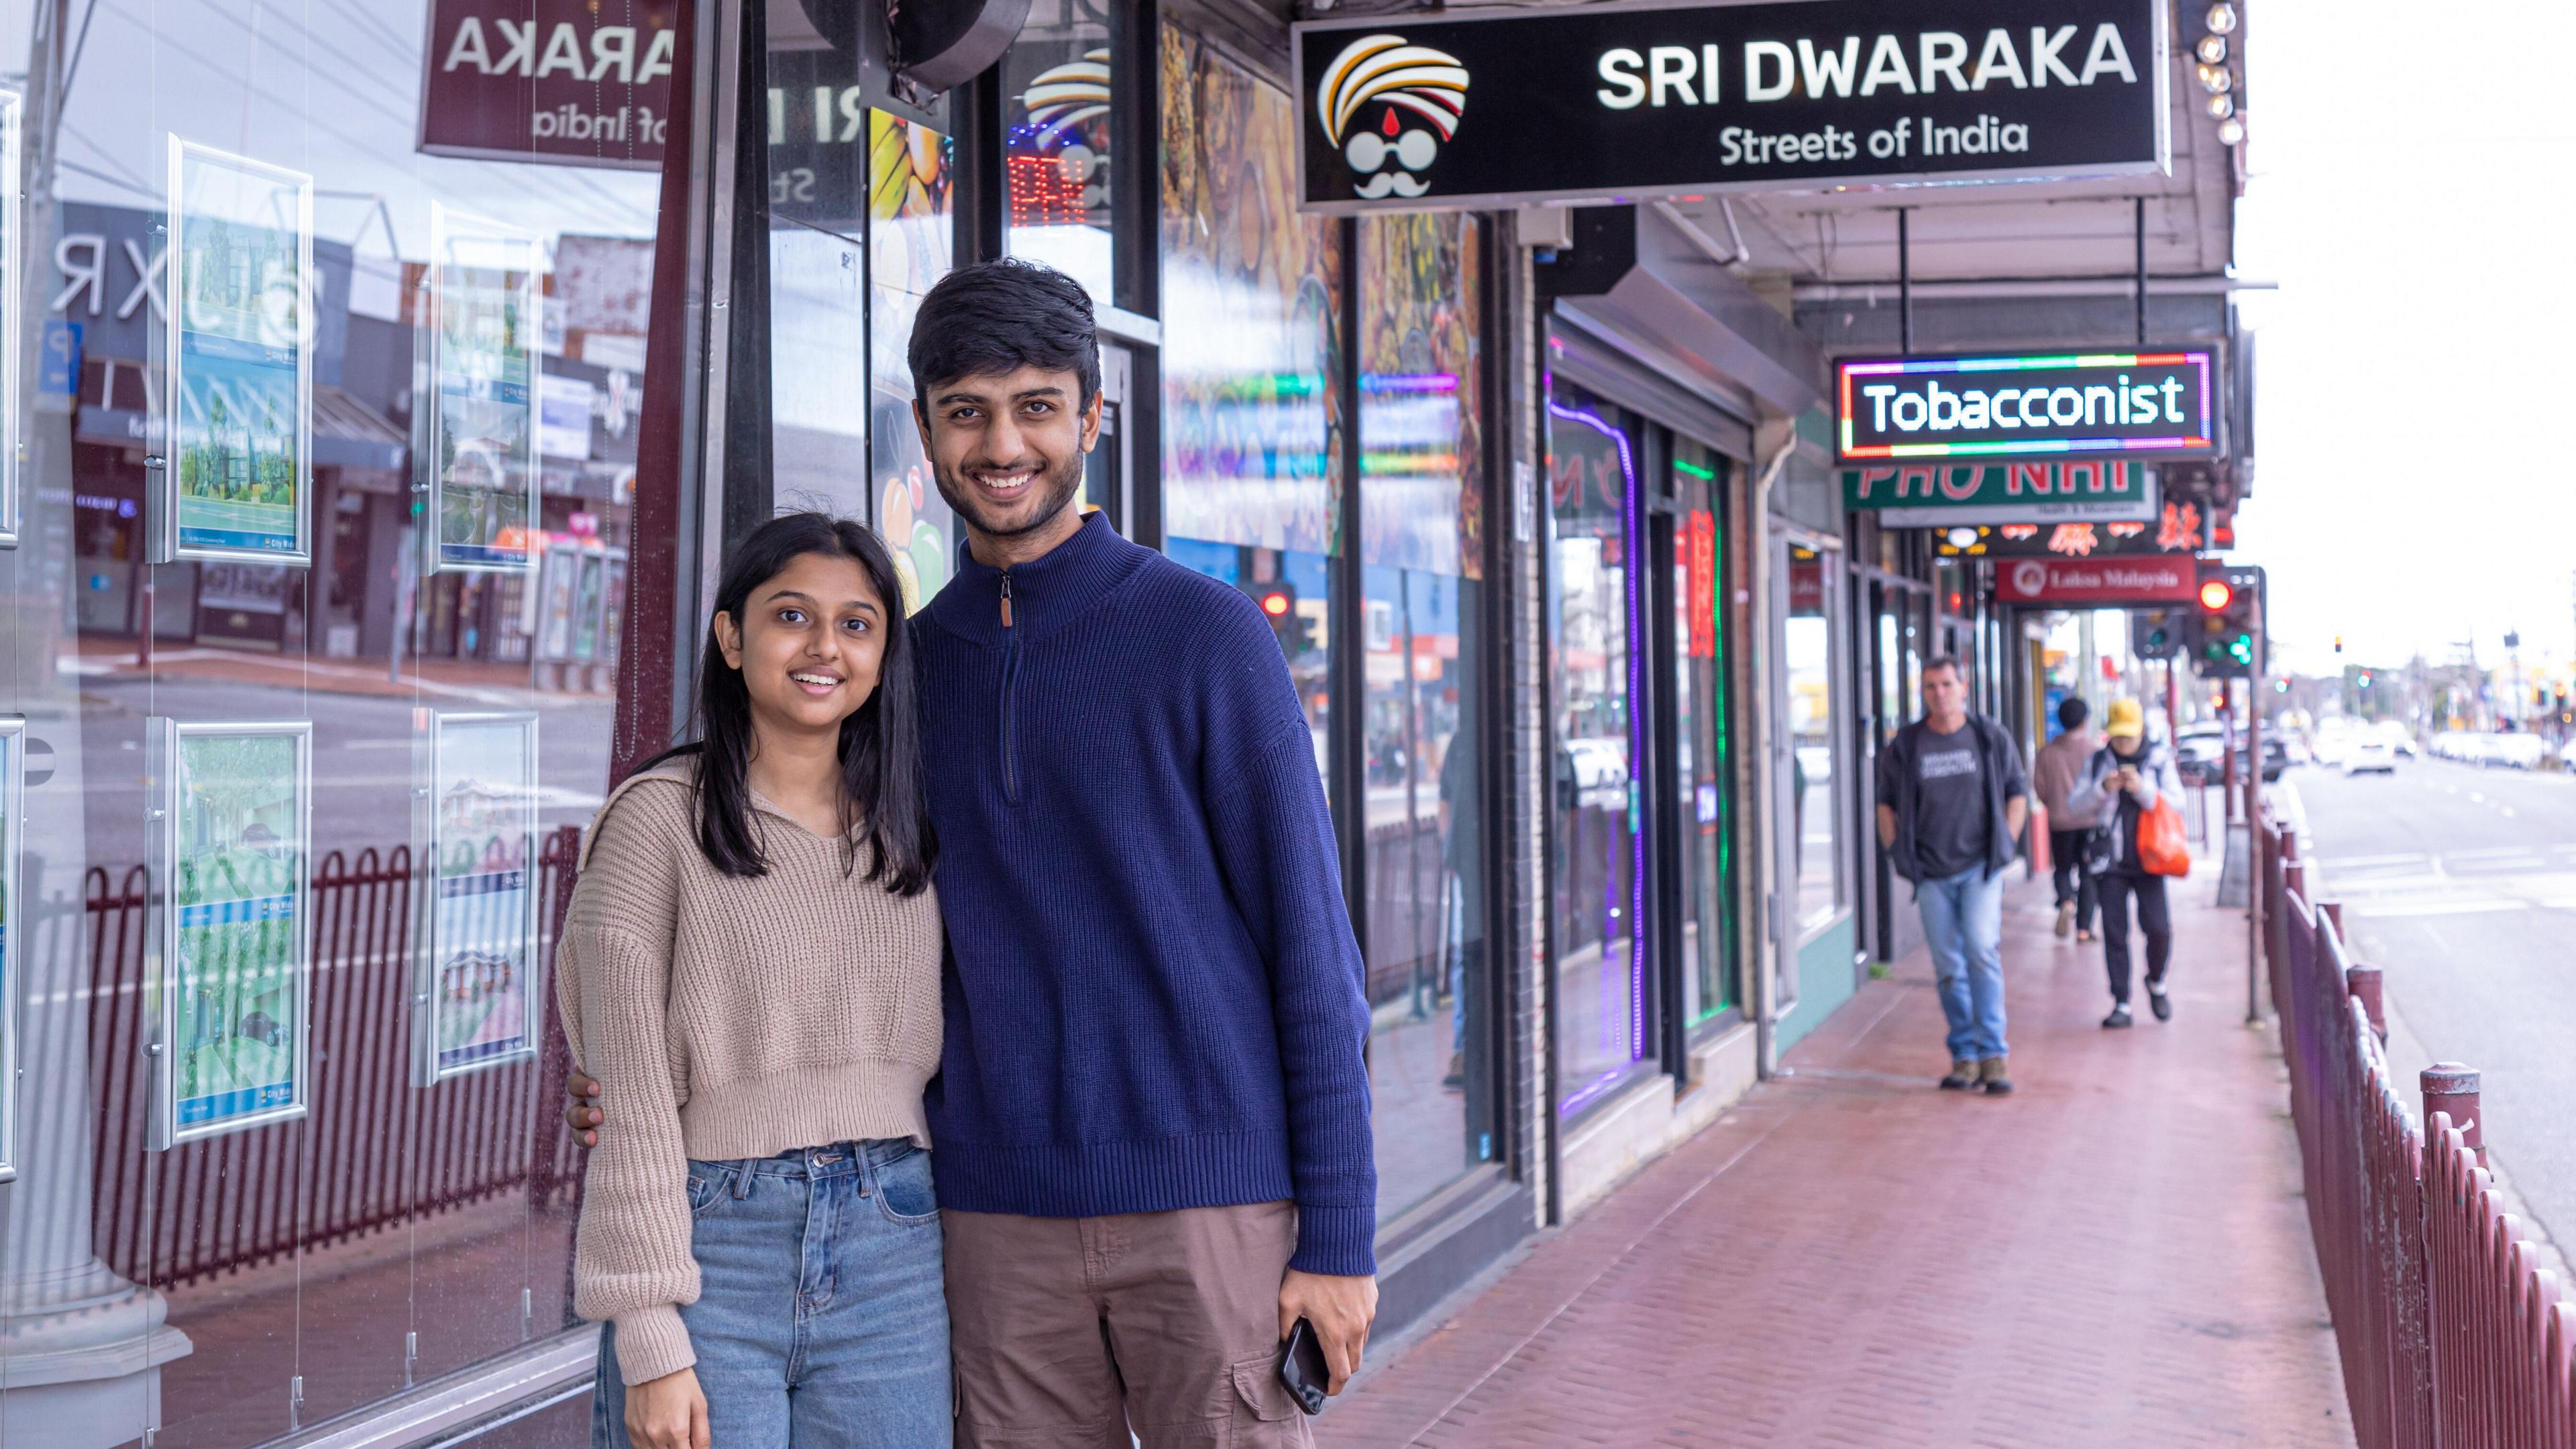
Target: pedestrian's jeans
x=1963, y=923
x=821, y=1319
x=2075, y=884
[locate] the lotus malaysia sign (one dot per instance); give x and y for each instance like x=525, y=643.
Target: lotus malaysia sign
x=1623, y=101
x=2091, y=583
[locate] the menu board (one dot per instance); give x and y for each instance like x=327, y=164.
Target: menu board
x=234, y=983
x=480, y=462
x=478, y=954
x=237, y=362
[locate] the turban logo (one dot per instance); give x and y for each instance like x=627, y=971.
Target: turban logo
x=1423, y=92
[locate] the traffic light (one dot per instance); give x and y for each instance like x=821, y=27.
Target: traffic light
x=1279, y=605
x=2230, y=599
x=2155, y=633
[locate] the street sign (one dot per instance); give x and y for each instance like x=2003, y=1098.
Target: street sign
x=2121, y=402
x=1411, y=113
x=2177, y=530
x=2096, y=584
x=1947, y=495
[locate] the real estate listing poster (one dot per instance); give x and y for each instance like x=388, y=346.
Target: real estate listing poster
x=234, y=982
x=13, y=782
x=478, y=960
x=480, y=462
x=238, y=361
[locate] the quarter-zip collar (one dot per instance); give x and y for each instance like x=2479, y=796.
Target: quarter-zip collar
x=1047, y=592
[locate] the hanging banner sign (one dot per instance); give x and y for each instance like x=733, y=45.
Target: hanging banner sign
x=237, y=363
x=1947, y=495
x=233, y=990
x=1623, y=101
x=480, y=461
x=573, y=82
x=2132, y=404
x=478, y=957
x=2109, y=583
x=2178, y=529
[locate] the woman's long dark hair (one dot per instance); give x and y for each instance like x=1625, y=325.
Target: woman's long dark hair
x=880, y=743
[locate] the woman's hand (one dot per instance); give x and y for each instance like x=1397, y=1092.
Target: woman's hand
x=667, y=1413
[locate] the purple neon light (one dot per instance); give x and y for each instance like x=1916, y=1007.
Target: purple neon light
x=1636, y=727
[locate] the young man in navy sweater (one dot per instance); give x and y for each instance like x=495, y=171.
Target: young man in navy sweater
x=1151, y=1123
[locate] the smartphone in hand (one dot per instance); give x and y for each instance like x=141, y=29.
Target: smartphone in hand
x=1303, y=1370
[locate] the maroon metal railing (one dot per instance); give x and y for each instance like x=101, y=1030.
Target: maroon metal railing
x=2450, y=1334
x=375, y=1151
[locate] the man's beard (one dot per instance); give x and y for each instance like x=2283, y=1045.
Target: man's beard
x=1056, y=492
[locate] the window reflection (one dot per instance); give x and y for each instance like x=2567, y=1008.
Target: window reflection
x=1702, y=813
x=1808, y=653
x=1422, y=575
x=1059, y=96
x=1598, y=881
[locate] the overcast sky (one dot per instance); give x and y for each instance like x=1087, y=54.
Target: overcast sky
x=2411, y=195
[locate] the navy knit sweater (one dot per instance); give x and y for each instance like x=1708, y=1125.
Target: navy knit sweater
x=1153, y=997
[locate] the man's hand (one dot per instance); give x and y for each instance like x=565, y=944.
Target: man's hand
x=581, y=1109
x=2016, y=814
x=1887, y=827
x=1340, y=1309
x=667, y=1413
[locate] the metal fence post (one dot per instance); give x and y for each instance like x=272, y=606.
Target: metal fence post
x=2453, y=1088
x=2364, y=982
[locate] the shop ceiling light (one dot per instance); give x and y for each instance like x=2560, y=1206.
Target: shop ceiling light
x=2213, y=49
x=2231, y=132
x=2217, y=79
x=2221, y=107
x=1963, y=537
x=2221, y=19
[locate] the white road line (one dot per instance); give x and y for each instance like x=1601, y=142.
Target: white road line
x=2441, y=908
x=2370, y=862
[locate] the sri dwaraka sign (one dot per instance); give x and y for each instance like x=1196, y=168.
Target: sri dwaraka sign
x=1622, y=101
x=576, y=82
x=2105, y=583
x=2134, y=404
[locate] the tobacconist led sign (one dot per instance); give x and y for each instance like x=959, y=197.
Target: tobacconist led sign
x=2160, y=404
x=576, y=82
x=1622, y=101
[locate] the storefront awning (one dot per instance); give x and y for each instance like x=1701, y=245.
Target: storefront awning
x=1662, y=308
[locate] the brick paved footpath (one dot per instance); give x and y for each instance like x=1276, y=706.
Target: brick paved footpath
x=2115, y=1255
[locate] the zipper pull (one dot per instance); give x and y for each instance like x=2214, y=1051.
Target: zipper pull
x=1006, y=598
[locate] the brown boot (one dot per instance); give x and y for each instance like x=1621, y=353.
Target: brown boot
x=1992, y=1076
x=1963, y=1075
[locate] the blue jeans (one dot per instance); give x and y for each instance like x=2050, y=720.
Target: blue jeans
x=821, y=1319
x=1963, y=923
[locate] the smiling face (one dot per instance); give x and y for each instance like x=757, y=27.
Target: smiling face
x=1387, y=157
x=808, y=643
x=1006, y=450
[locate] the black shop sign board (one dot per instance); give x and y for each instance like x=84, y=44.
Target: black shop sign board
x=1625, y=101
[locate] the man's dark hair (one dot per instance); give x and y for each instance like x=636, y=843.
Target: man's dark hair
x=1943, y=661
x=1000, y=316
x=2072, y=713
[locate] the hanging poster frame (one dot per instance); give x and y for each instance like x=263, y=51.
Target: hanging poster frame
x=469, y=378
x=13, y=297
x=478, y=922
x=179, y=1027
x=202, y=526
x=13, y=797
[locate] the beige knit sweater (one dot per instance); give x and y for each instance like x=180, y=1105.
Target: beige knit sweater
x=726, y=1019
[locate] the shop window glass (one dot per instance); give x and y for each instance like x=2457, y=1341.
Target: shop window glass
x=1058, y=96
x=1703, y=763
x=1252, y=341
x=336, y=752
x=1422, y=574
x=911, y=245
x=1597, y=885
x=1809, y=654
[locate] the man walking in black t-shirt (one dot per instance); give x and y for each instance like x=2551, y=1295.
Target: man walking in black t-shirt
x=1951, y=801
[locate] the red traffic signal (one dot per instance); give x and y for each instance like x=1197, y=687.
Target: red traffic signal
x=2215, y=595
x=1276, y=603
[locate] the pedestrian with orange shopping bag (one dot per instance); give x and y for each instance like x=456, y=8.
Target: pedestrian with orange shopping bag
x=2131, y=788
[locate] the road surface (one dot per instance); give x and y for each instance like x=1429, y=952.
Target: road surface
x=2460, y=883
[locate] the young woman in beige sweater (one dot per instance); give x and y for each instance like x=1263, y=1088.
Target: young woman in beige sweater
x=750, y=964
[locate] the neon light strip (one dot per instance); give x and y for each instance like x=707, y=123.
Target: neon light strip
x=1988, y=450
x=1705, y=475
x=2025, y=364
x=1636, y=725
x=1408, y=382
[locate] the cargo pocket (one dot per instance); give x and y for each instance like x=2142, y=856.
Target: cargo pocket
x=1265, y=1416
